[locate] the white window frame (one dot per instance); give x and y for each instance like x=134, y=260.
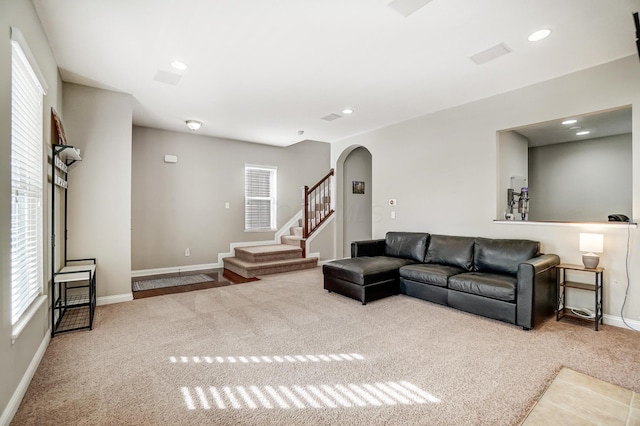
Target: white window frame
x=28, y=88
x=267, y=224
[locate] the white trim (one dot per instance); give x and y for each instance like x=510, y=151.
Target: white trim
x=604, y=225
x=318, y=230
x=19, y=326
x=116, y=298
x=285, y=228
x=616, y=321
x=173, y=269
x=12, y=407
x=18, y=38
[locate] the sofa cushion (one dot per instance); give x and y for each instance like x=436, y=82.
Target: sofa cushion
x=365, y=270
x=493, y=286
x=503, y=256
x=430, y=273
x=451, y=250
x=406, y=245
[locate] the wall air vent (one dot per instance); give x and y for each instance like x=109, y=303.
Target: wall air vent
x=331, y=117
x=490, y=54
x=167, y=77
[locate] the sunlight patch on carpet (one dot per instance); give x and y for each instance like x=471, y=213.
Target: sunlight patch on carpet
x=265, y=359
x=309, y=396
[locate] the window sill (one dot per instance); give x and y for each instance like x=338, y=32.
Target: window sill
x=261, y=230
x=19, y=326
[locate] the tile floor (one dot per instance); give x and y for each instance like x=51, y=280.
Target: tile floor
x=576, y=399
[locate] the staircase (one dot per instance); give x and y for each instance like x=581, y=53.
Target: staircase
x=250, y=262
x=295, y=237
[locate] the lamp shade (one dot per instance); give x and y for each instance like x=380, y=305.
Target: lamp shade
x=591, y=243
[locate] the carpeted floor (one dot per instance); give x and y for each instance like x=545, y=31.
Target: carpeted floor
x=237, y=355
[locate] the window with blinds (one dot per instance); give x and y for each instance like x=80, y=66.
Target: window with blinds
x=260, y=198
x=26, y=180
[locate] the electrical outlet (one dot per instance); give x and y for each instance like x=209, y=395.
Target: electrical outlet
x=187, y=252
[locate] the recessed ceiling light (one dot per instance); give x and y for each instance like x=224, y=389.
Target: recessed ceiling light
x=582, y=133
x=575, y=128
x=179, y=65
x=194, y=125
x=572, y=121
x=347, y=111
x=539, y=35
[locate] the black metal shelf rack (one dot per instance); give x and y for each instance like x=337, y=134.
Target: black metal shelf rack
x=73, y=287
x=562, y=284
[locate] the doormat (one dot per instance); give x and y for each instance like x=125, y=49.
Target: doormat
x=171, y=282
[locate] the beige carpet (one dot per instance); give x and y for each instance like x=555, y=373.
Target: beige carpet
x=282, y=351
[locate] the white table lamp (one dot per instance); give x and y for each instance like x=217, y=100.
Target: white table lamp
x=591, y=243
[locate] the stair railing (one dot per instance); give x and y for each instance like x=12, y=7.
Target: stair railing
x=317, y=204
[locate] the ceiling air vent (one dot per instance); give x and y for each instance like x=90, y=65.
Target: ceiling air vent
x=167, y=77
x=490, y=54
x=407, y=7
x=331, y=117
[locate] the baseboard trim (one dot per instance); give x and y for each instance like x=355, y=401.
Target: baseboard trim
x=14, y=403
x=174, y=269
x=116, y=298
x=617, y=322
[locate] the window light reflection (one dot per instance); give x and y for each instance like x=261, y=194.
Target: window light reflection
x=265, y=359
x=309, y=396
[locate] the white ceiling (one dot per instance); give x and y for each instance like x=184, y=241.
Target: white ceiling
x=262, y=70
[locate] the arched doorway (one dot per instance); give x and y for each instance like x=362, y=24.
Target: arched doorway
x=354, y=220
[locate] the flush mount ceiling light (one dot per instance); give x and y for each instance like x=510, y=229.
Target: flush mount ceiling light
x=179, y=65
x=347, y=111
x=572, y=121
x=193, y=124
x=582, y=133
x=539, y=35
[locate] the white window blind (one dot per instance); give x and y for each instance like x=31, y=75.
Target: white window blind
x=26, y=181
x=260, y=198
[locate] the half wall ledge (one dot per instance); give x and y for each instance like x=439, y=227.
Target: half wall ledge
x=560, y=223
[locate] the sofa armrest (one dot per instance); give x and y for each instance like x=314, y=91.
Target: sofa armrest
x=536, y=292
x=367, y=248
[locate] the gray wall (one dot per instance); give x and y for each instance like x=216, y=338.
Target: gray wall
x=357, y=207
x=443, y=169
x=581, y=181
x=175, y=206
x=98, y=122
x=15, y=358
